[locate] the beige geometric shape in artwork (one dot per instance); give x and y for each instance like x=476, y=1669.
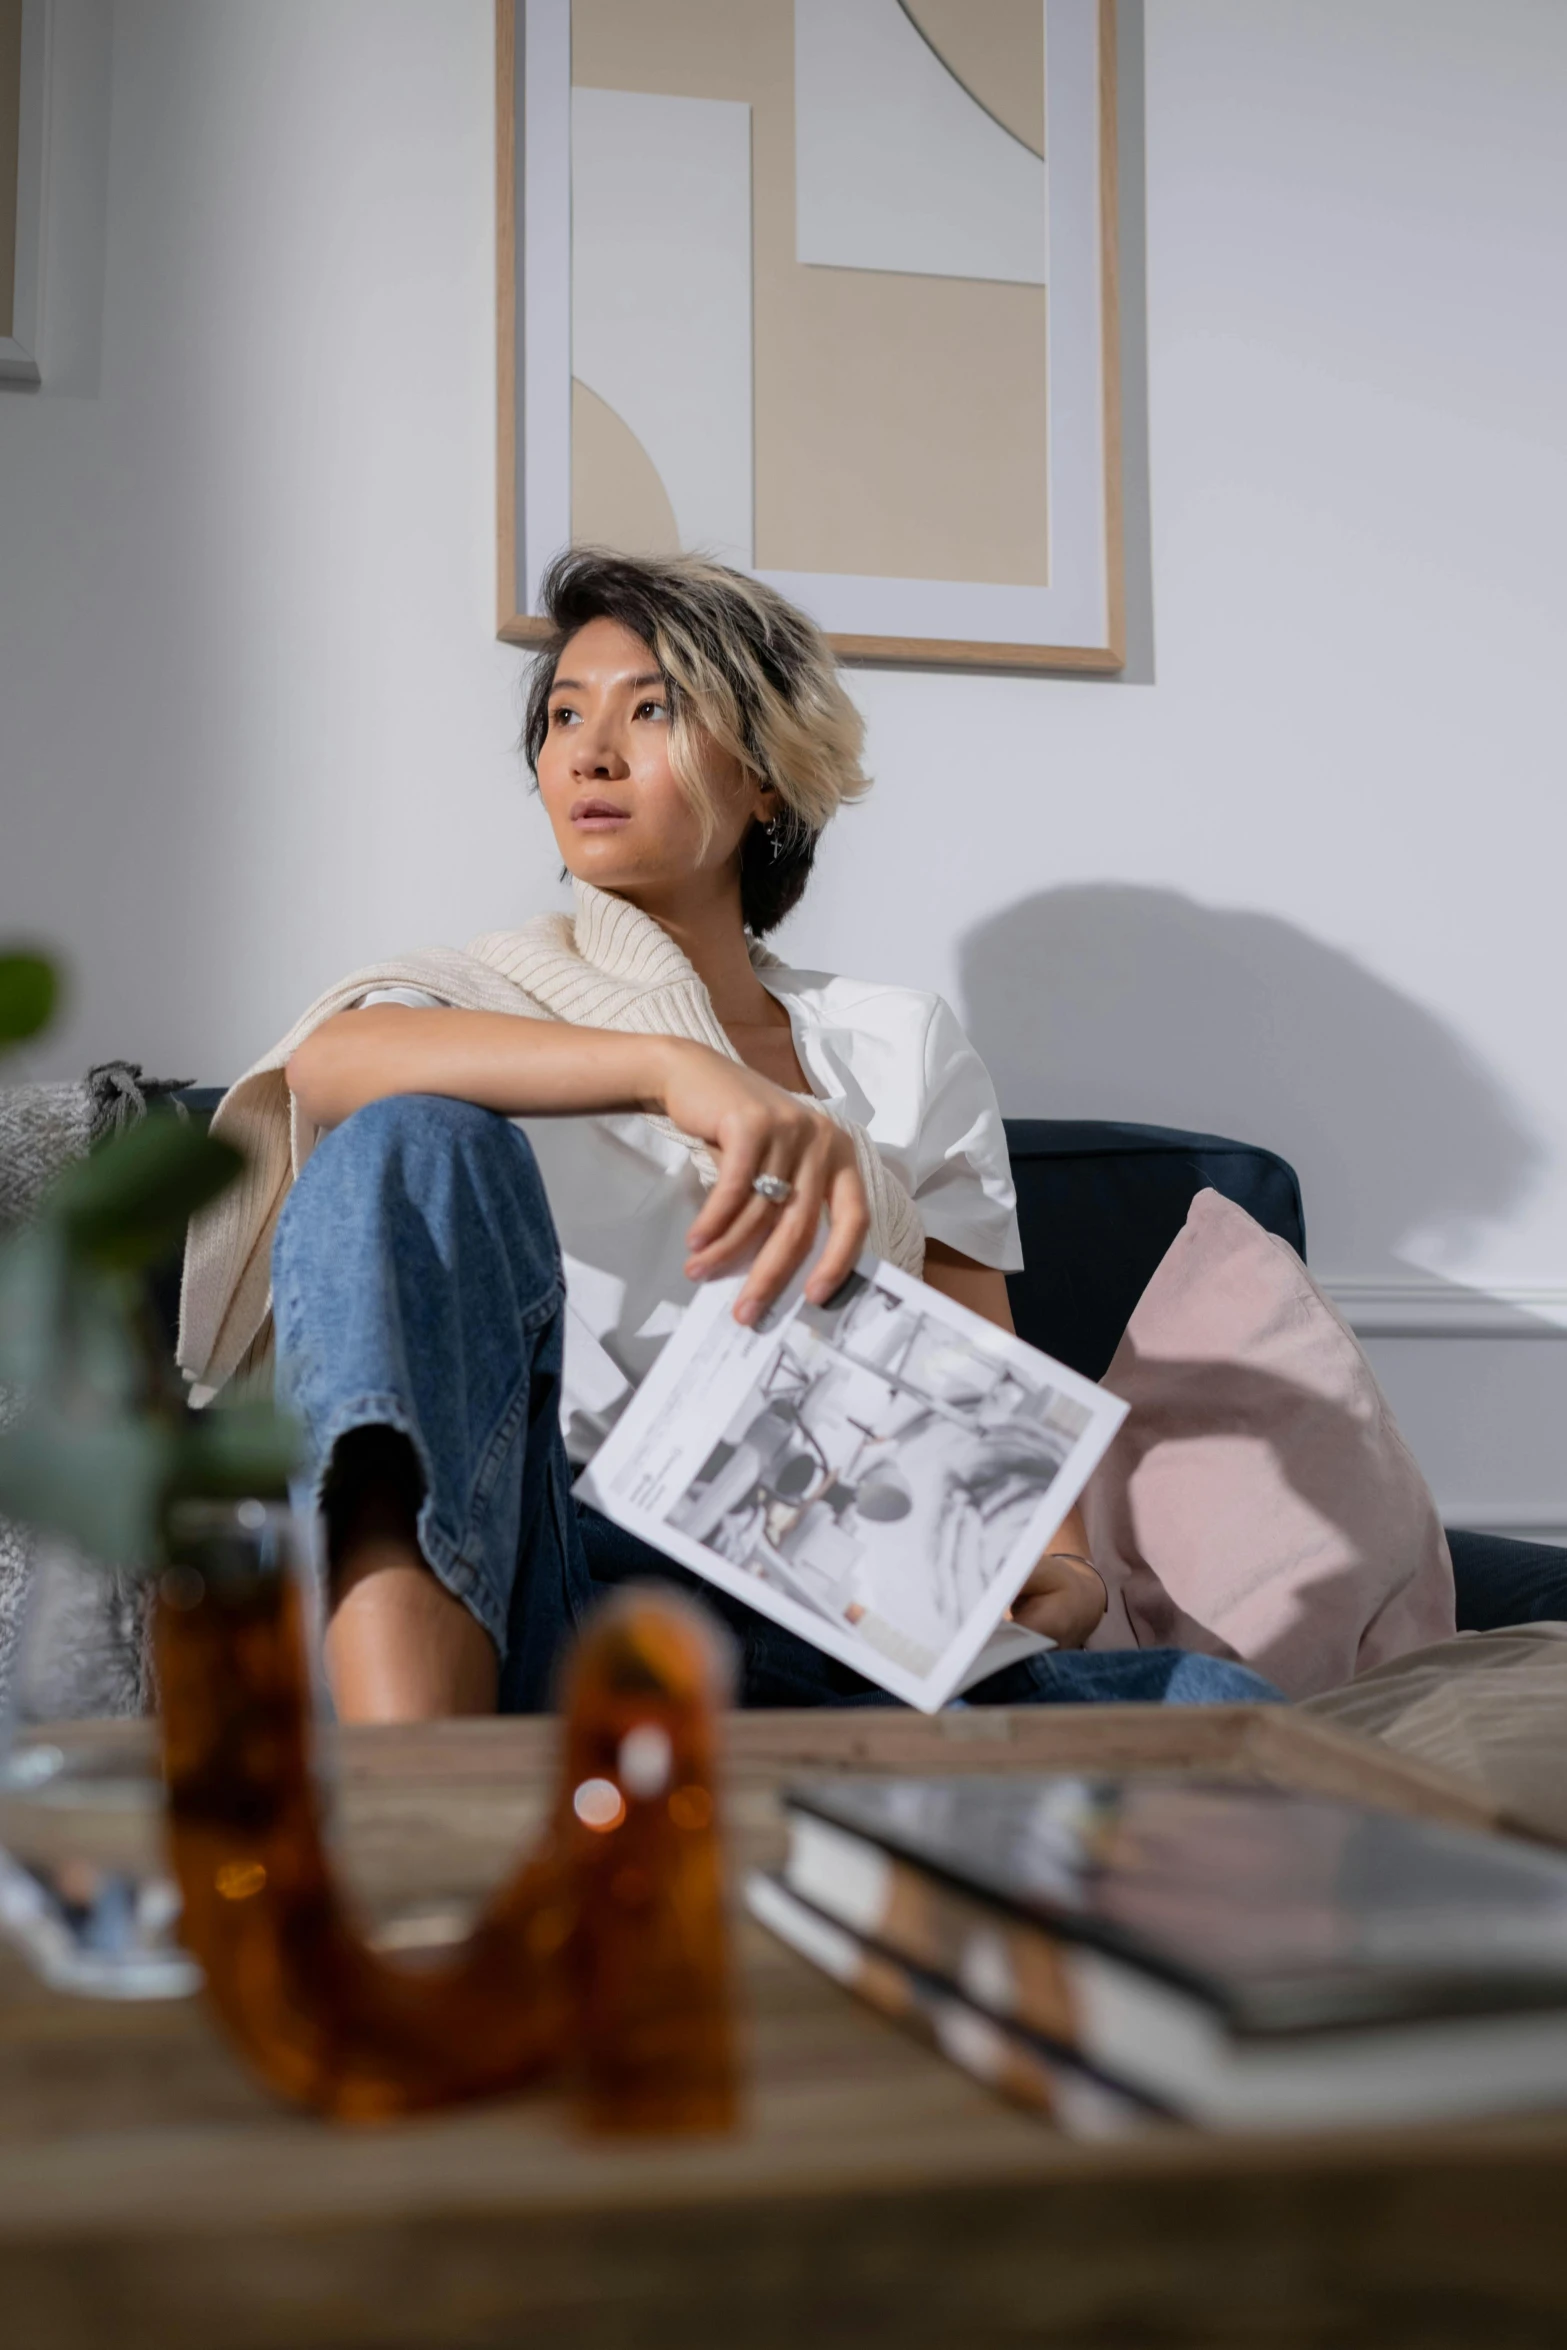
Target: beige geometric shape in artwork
x=617, y=498
x=901, y=428
x=996, y=49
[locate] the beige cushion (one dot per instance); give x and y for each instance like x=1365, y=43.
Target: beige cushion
x=1488, y=1706
x=1259, y=1502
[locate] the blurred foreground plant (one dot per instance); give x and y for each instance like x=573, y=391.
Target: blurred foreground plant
x=604, y=1952
x=104, y=1441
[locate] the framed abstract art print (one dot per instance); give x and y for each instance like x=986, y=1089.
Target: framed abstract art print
x=825, y=288
x=24, y=88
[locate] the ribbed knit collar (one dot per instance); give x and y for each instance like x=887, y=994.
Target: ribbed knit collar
x=620, y=938
x=623, y=943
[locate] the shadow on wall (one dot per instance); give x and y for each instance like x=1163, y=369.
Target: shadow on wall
x=1106, y=1001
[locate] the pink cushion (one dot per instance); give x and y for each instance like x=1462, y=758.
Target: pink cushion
x=1259, y=1502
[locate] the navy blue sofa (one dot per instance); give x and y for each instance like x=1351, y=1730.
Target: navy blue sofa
x=1099, y=1204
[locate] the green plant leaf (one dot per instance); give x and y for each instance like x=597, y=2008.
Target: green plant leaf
x=29, y=988
x=128, y=1204
x=233, y=1450
x=34, y=1277
x=100, y=1484
x=106, y=1483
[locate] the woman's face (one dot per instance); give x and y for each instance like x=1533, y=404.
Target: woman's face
x=620, y=816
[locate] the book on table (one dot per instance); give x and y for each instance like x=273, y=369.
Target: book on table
x=1246, y=1957
x=879, y=1473
x=1016, y=2063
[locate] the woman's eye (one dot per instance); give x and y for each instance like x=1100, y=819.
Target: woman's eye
x=650, y=709
x=562, y=715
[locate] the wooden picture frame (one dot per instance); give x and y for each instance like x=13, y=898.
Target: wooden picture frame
x=1072, y=619
x=24, y=122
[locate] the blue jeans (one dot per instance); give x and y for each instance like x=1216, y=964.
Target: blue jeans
x=417, y=1285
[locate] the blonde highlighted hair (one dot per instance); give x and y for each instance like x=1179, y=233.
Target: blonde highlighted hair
x=740, y=666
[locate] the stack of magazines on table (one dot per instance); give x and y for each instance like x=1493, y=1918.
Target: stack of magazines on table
x=1111, y=1951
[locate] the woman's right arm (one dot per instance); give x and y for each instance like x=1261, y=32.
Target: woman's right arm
x=545, y=1068
x=526, y=1068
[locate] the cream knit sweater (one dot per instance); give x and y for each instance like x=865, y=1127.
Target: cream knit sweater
x=608, y=966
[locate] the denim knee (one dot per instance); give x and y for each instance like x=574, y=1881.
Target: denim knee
x=424, y=1148
x=423, y=1133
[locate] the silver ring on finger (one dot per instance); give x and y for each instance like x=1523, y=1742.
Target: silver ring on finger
x=776, y=1188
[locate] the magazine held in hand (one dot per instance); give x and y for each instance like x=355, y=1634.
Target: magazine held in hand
x=879, y=1473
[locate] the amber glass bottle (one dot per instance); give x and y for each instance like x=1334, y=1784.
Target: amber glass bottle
x=603, y=1955
x=637, y=1842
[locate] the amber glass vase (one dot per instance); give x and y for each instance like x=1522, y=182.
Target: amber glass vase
x=602, y=1958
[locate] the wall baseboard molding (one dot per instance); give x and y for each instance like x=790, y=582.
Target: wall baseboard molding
x=1443, y=1309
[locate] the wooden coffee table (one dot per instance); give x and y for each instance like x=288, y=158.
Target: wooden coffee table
x=152, y=2199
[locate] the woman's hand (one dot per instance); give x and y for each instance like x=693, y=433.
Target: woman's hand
x=754, y=1128
x=1062, y=1598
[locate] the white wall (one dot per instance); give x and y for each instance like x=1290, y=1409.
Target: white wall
x=1297, y=879
x=253, y=721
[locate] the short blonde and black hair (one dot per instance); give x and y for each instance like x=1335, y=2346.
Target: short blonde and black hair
x=743, y=667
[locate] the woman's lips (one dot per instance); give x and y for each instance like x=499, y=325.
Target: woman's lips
x=597, y=815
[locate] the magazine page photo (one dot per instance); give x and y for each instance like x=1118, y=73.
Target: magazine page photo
x=880, y=1472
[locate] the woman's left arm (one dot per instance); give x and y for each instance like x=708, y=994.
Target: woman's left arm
x=1063, y=1597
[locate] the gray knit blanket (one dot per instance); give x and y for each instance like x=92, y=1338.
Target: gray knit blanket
x=95, y=1633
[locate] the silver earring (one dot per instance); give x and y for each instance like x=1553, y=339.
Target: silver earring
x=775, y=834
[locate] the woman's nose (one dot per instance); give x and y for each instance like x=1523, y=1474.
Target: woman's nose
x=597, y=752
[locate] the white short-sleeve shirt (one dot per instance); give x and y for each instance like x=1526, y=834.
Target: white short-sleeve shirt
x=624, y=1196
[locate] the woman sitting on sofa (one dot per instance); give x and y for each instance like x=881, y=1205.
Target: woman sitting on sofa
x=679, y=1105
